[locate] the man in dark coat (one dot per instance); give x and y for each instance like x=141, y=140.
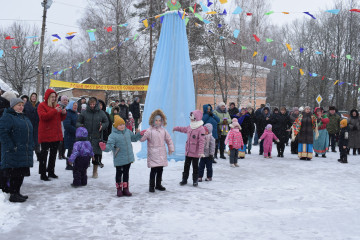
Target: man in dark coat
x=333, y=127
x=281, y=124
x=233, y=110
x=124, y=110
x=257, y=116
x=261, y=122
x=293, y=116
x=135, y=110
x=30, y=110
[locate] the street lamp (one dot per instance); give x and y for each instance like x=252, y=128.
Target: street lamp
x=43, y=71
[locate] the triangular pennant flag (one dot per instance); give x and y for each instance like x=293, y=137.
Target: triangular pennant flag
x=206, y=21
x=269, y=40
x=15, y=47
x=180, y=15
x=307, y=13
x=31, y=37
x=194, y=7
x=223, y=1
x=349, y=57
x=92, y=35
x=162, y=19
x=288, y=47
x=154, y=24
x=355, y=10
x=1, y=53
x=191, y=9
x=199, y=17
x=314, y=75
x=108, y=29
x=255, y=53
x=274, y=62
x=36, y=43
x=292, y=67
x=248, y=14
x=301, y=50
x=336, y=82
x=301, y=71
x=323, y=77
x=204, y=8
x=71, y=33
x=236, y=33
x=70, y=37
x=238, y=10
x=333, y=56
x=146, y=23
x=135, y=37
x=284, y=64
x=219, y=25
x=233, y=42
x=55, y=40
x=212, y=12
x=57, y=36
x=317, y=52
x=221, y=38
x=224, y=12
x=265, y=58
x=333, y=11
x=243, y=47
x=9, y=38
x=256, y=38
x=269, y=13
x=285, y=12
x=88, y=60
x=186, y=21
x=209, y=3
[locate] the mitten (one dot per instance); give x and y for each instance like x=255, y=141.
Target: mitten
x=142, y=132
x=102, y=145
x=201, y=155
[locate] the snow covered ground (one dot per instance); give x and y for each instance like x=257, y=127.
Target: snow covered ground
x=263, y=199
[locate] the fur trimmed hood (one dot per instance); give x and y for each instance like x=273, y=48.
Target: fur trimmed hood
x=154, y=114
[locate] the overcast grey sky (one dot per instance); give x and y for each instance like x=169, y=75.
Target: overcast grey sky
x=67, y=12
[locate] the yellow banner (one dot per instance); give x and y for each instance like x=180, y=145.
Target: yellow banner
x=62, y=84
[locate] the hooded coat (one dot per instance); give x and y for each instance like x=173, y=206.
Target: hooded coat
x=31, y=112
x=268, y=137
x=119, y=143
x=194, y=146
x=70, y=126
x=209, y=148
x=233, y=112
x=211, y=118
x=49, y=121
x=222, y=126
x=16, y=136
x=246, y=127
x=156, y=138
x=281, y=123
x=354, y=127
x=82, y=148
x=124, y=112
x=91, y=120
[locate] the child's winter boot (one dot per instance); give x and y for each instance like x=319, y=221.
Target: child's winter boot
x=195, y=180
x=119, y=189
x=158, y=183
x=95, y=174
x=126, y=191
x=152, y=185
x=184, y=180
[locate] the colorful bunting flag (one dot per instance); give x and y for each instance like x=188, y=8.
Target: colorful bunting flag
x=194, y=7
x=233, y=42
x=323, y=77
x=126, y=24
x=71, y=33
x=191, y=9
x=154, y=24
x=243, y=47
x=269, y=13
x=186, y=21
x=209, y=3
x=307, y=13
x=36, y=43
x=1, y=53
x=70, y=37
x=301, y=71
x=57, y=36
x=223, y=1
x=224, y=12
x=355, y=10
x=336, y=82
x=255, y=53
x=284, y=64
x=179, y=13
x=212, y=12
x=238, y=10
x=91, y=33
x=349, y=57
x=256, y=38
x=285, y=12
x=136, y=36
x=108, y=29
x=333, y=11
x=31, y=37
x=288, y=47
x=146, y=23
x=301, y=50
x=55, y=40
x=15, y=47
x=314, y=75
x=333, y=56
x=248, y=14
x=236, y=33
x=9, y=38
x=219, y=25
x=204, y=8
x=206, y=21
x=265, y=58
x=269, y=40
x=199, y=17
x=317, y=52
x=274, y=62
x=292, y=67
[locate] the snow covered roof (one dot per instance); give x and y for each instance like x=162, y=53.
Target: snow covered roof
x=5, y=87
x=231, y=63
x=83, y=81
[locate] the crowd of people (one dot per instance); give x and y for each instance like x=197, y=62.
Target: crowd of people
x=87, y=127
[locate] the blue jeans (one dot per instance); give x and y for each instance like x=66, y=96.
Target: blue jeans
x=249, y=144
x=208, y=163
x=256, y=139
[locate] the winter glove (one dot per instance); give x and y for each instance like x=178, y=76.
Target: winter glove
x=102, y=146
x=142, y=132
x=278, y=141
x=260, y=140
x=231, y=147
x=211, y=114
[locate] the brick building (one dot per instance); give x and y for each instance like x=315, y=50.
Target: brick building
x=78, y=93
x=208, y=90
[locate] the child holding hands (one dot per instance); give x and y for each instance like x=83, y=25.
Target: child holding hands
x=119, y=143
x=268, y=137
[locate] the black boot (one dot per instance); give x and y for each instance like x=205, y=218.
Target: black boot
x=249, y=152
x=316, y=155
x=354, y=151
x=195, y=180
x=44, y=177
x=152, y=185
x=158, y=183
x=324, y=156
x=52, y=175
x=15, y=197
x=184, y=180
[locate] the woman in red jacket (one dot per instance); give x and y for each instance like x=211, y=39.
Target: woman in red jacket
x=50, y=134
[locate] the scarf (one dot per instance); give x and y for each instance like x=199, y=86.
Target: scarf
x=241, y=119
x=196, y=124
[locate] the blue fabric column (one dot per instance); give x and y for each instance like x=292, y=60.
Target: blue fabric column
x=171, y=86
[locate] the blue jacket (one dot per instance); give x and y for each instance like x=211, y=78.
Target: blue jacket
x=70, y=126
x=16, y=136
x=213, y=120
x=32, y=114
x=119, y=143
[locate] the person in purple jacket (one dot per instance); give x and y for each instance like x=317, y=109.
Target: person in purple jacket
x=80, y=158
x=194, y=148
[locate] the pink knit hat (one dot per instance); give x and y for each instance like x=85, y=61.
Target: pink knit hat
x=235, y=124
x=268, y=126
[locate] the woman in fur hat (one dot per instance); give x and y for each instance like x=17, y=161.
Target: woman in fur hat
x=157, y=137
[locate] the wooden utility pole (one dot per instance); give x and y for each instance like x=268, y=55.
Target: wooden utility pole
x=38, y=82
x=151, y=40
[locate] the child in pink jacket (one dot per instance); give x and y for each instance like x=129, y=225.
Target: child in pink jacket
x=194, y=148
x=156, y=137
x=235, y=141
x=268, y=137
